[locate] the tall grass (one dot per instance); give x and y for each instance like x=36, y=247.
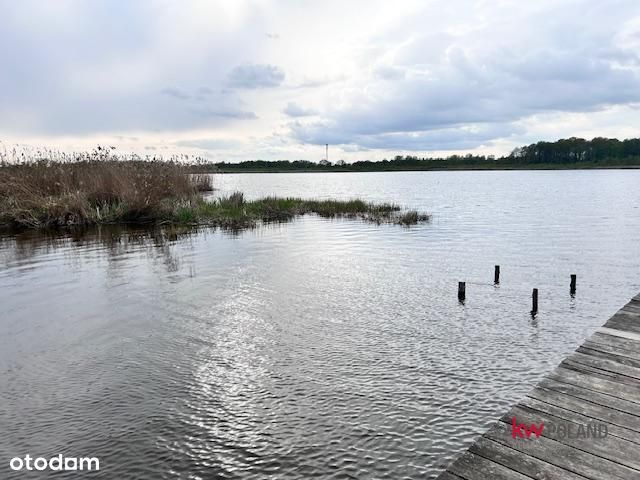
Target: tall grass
x=202, y=182
x=48, y=194
x=103, y=190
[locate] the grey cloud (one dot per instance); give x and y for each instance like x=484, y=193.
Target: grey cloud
x=294, y=110
x=204, y=91
x=255, y=76
x=175, y=93
x=117, y=67
x=452, y=138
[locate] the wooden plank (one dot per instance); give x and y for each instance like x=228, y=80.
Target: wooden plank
x=597, y=372
x=630, y=362
x=520, y=462
x=624, y=321
x=578, y=418
x=591, y=396
x=632, y=308
x=611, y=350
x=612, y=448
x=473, y=467
x=605, y=364
x=562, y=456
x=618, y=342
x=619, y=333
x=602, y=385
x=448, y=476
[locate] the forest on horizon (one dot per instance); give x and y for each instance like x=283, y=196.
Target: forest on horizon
x=567, y=153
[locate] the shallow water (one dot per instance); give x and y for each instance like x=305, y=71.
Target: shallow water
x=313, y=349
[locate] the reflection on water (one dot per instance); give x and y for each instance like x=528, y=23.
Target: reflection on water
x=318, y=348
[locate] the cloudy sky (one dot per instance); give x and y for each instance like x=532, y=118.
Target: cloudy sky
x=233, y=79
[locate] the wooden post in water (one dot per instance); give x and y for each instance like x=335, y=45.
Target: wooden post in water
x=534, y=302
x=496, y=274
x=461, y=291
x=572, y=288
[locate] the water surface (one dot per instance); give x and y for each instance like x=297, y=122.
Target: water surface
x=313, y=349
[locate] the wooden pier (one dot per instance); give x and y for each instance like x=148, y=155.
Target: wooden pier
x=598, y=385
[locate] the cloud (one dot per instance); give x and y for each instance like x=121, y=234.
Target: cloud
x=231, y=113
x=121, y=68
x=388, y=72
x=255, y=76
x=450, y=138
x=204, y=91
x=175, y=93
x=424, y=92
x=294, y=110
x=210, y=143
x=482, y=73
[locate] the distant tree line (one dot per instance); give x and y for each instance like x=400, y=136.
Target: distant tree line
x=566, y=153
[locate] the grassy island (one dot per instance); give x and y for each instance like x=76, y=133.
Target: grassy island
x=46, y=194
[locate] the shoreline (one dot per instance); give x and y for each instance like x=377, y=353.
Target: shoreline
x=436, y=169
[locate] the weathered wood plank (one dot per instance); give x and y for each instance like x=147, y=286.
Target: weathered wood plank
x=629, y=362
x=563, y=456
x=619, y=333
x=598, y=372
x=612, y=448
x=624, y=321
x=562, y=413
x=616, y=353
x=605, y=364
x=591, y=396
x=617, y=342
x=474, y=467
x=521, y=463
x=602, y=385
x=632, y=308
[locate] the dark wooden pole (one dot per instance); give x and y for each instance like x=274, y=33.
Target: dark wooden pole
x=496, y=274
x=461, y=290
x=573, y=284
x=534, y=301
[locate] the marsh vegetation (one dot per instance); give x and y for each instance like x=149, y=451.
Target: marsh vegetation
x=49, y=194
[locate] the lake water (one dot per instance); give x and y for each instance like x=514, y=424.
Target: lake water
x=312, y=349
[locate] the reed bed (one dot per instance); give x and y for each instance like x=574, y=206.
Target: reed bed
x=51, y=194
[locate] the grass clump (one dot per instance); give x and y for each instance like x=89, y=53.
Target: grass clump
x=234, y=211
x=411, y=217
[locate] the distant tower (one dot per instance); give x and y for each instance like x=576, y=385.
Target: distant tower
x=327, y=150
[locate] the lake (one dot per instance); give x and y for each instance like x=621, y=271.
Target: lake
x=316, y=348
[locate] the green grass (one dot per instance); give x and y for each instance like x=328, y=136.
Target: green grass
x=234, y=212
